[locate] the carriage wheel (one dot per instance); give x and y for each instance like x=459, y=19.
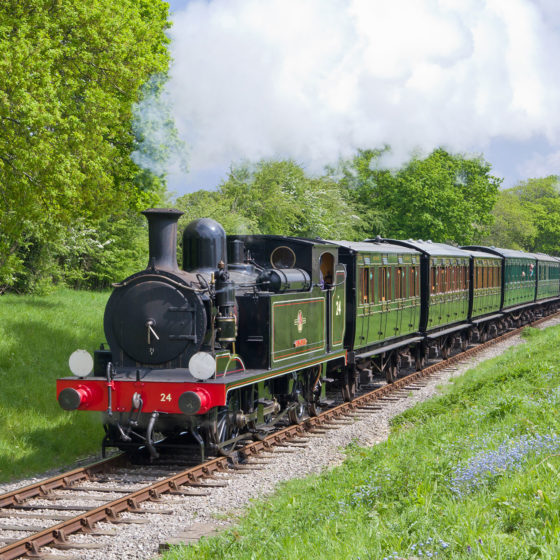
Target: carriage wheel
x=445, y=350
x=349, y=388
x=392, y=369
x=419, y=358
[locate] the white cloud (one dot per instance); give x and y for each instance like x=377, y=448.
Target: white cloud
x=541, y=165
x=316, y=79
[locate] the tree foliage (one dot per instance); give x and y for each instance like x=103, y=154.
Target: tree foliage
x=442, y=197
x=70, y=75
x=527, y=217
x=275, y=197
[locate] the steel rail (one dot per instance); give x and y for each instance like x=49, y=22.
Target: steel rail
x=57, y=534
x=45, y=487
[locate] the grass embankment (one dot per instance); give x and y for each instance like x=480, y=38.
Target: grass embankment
x=37, y=336
x=471, y=474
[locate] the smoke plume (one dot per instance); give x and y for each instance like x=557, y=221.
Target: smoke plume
x=316, y=79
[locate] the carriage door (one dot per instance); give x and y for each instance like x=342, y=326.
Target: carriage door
x=336, y=309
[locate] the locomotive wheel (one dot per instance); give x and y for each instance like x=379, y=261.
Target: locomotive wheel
x=296, y=413
x=464, y=342
x=225, y=430
x=313, y=409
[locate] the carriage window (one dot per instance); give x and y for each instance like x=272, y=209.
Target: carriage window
x=398, y=286
x=364, y=285
x=385, y=283
x=478, y=277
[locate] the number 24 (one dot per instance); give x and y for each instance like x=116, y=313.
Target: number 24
x=165, y=397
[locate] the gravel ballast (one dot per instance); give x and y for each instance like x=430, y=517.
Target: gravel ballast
x=325, y=451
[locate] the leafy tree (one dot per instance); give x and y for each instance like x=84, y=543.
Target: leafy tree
x=86, y=254
x=443, y=197
x=513, y=226
x=359, y=178
x=70, y=75
x=527, y=216
x=275, y=197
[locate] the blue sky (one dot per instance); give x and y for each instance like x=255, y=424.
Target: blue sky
x=316, y=79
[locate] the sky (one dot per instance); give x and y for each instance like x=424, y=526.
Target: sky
x=315, y=80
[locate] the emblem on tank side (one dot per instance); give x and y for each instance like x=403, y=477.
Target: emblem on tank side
x=300, y=321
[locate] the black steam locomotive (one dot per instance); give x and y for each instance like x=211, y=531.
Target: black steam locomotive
x=252, y=328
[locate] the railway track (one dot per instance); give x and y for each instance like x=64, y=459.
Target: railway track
x=46, y=515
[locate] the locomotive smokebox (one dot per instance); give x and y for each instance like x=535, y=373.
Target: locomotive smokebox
x=204, y=245
x=162, y=224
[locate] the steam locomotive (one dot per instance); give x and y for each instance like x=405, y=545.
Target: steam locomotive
x=252, y=329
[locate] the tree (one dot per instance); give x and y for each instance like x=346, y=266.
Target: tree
x=277, y=198
x=513, y=226
x=70, y=75
x=527, y=217
x=442, y=197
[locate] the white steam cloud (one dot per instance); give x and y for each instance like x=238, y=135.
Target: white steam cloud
x=316, y=79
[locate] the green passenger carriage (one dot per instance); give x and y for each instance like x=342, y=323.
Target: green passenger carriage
x=548, y=277
x=519, y=272
x=445, y=295
x=386, y=282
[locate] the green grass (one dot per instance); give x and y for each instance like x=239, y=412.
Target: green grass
x=403, y=498
x=37, y=336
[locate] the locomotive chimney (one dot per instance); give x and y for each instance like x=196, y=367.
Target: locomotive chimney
x=162, y=224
